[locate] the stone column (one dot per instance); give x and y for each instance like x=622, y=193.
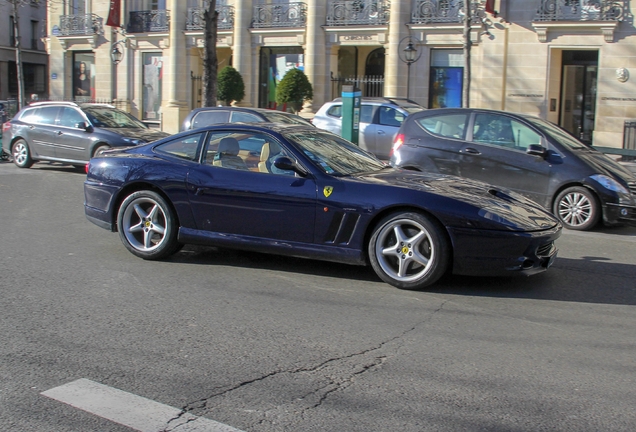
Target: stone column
x=174, y=108
x=242, y=50
x=395, y=70
x=316, y=56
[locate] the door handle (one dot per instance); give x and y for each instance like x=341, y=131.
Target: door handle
x=60, y=132
x=470, y=150
x=381, y=132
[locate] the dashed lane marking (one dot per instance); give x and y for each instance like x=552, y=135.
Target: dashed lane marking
x=130, y=410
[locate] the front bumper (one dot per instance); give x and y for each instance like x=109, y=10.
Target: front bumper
x=503, y=253
x=614, y=214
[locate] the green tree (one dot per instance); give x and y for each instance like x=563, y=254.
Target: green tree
x=294, y=89
x=230, y=85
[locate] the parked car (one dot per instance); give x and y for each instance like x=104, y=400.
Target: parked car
x=524, y=153
x=380, y=119
x=298, y=190
x=70, y=132
x=208, y=116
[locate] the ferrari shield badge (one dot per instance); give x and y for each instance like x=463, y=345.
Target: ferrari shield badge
x=327, y=191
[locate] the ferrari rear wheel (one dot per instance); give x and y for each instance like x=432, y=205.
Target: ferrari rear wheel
x=147, y=225
x=409, y=251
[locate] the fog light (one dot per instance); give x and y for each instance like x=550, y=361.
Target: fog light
x=624, y=212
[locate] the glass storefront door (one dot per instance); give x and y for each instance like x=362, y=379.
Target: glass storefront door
x=578, y=93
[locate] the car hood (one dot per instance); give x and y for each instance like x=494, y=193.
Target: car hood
x=603, y=164
x=147, y=135
x=477, y=204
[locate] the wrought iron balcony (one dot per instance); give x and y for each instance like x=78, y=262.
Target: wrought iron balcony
x=358, y=12
x=581, y=10
x=83, y=25
x=437, y=11
x=280, y=15
x=148, y=21
x=225, y=21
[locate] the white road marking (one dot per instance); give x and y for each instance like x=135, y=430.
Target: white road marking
x=130, y=410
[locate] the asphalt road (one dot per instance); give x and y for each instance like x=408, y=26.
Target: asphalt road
x=263, y=343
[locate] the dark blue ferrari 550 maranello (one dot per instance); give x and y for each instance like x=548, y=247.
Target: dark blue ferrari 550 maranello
x=301, y=191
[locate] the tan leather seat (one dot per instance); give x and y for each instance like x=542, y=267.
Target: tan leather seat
x=227, y=155
x=262, y=165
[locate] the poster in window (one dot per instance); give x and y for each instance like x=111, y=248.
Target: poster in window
x=84, y=76
x=152, y=83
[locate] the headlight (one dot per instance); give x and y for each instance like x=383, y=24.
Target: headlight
x=609, y=183
x=134, y=141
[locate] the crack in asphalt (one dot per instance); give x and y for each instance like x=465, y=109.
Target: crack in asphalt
x=335, y=384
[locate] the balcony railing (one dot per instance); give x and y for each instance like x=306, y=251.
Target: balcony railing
x=195, y=20
x=581, y=10
x=280, y=15
x=148, y=21
x=437, y=11
x=84, y=25
x=358, y=12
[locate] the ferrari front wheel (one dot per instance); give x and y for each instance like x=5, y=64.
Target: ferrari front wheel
x=147, y=225
x=409, y=250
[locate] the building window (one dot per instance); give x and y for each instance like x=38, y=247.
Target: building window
x=152, y=83
x=34, y=35
x=447, y=77
x=34, y=78
x=11, y=32
x=84, y=75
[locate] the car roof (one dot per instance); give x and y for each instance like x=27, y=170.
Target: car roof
x=386, y=100
x=435, y=111
x=71, y=103
x=233, y=108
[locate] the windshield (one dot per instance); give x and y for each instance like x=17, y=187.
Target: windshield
x=111, y=118
x=334, y=155
x=276, y=117
x=562, y=136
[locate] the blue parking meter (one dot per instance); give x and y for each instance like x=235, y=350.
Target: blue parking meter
x=351, y=97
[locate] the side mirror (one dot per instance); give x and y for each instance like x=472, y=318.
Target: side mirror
x=536, y=150
x=286, y=164
x=83, y=125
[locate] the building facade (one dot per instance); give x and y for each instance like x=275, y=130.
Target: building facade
x=568, y=61
x=31, y=19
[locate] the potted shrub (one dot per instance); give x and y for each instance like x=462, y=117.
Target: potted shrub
x=294, y=89
x=230, y=86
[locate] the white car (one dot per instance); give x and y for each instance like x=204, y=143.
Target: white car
x=380, y=119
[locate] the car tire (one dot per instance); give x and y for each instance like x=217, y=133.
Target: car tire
x=99, y=149
x=577, y=208
x=409, y=250
x=21, y=154
x=147, y=225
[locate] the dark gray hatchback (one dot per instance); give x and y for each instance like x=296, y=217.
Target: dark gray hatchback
x=70, y=132
x=523, y=153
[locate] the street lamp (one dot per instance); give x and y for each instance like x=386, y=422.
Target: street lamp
x=409, y=55
x=115, y=53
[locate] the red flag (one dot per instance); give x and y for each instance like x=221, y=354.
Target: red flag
x=490, y=7
x=114, y=15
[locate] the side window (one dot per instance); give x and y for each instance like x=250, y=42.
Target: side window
x=446, y=125
x=390, y=117
x=70, y=117
x=183, y=148
x=504, y=132
x=524, y=136
x=43, y=115
x=245, y=151
x=205, y=118
x=335, y=111
x=366, y=113
x=244, y=117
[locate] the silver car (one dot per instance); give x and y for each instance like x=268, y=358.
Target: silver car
x=380, y=119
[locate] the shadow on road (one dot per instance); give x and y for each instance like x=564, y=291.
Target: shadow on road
x=587, y=280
